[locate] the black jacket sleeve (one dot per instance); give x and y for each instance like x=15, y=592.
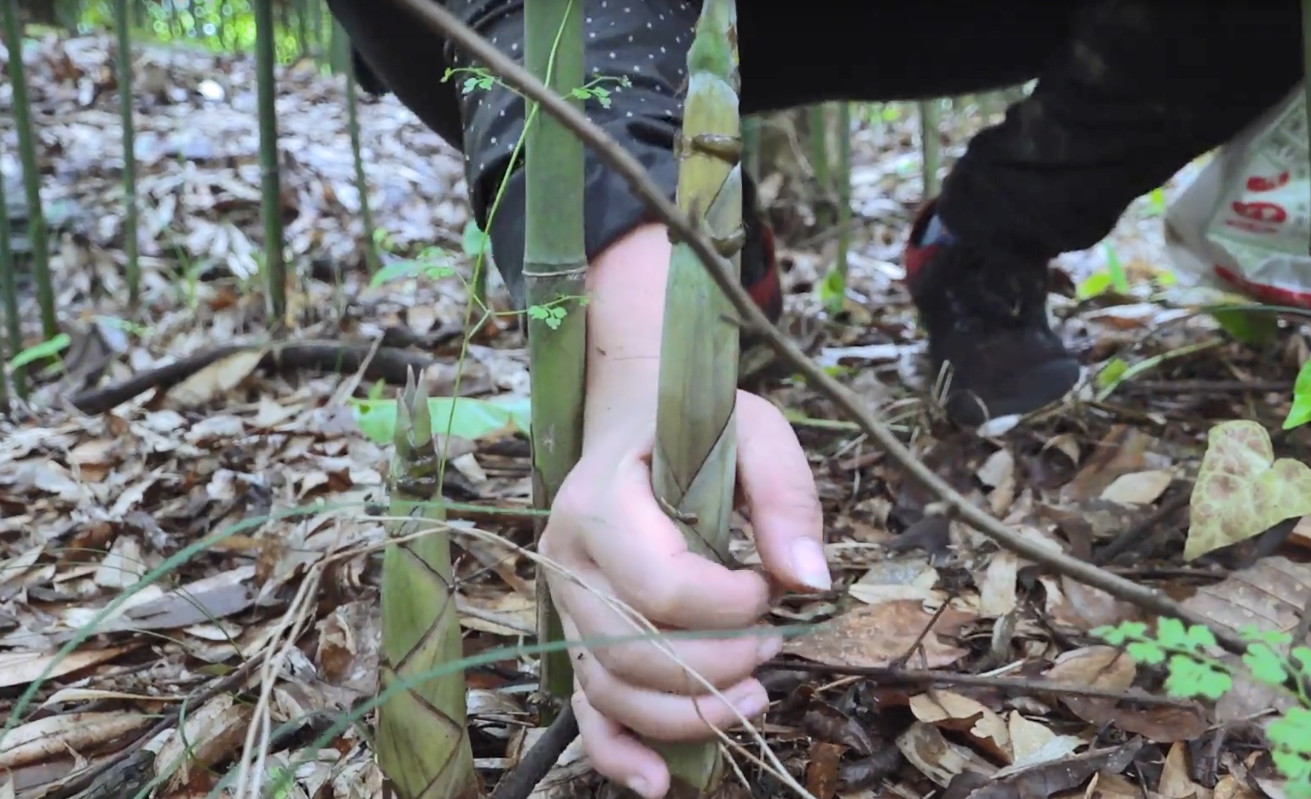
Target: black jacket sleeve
x=644, y=41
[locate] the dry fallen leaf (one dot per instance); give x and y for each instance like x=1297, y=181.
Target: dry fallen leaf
x=1138, y=488
x=937, y=758
x=55, y=736
x=876, y=635
x=962, y=714
x=216, y=379
x=21, y=668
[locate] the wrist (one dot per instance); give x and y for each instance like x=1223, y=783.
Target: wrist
x=626, y=288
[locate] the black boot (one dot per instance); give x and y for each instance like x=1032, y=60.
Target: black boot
x=986, y=316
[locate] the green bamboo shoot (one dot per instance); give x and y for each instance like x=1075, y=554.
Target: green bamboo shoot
x=423, y=746
x=124, y=66
x=555, y=270
x=694, y=464
x=36, y=218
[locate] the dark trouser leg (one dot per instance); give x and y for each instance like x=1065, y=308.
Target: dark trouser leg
x=1141, y=88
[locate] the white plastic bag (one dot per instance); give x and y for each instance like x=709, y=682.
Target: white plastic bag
x=1244, y=223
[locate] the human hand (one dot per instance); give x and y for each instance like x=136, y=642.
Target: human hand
x=607, y=530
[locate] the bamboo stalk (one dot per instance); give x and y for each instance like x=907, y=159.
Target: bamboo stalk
x=930, y=147
x=9, y=294
x=36, y=217
x=840, y=267
x=270, y=180
x=371, y=258
x=124, y=35
x=423, y=747
x=694, y=463
x=819, y=156
x=555, y=269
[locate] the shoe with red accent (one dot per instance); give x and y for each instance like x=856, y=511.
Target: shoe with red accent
x=761, y=276
x=986, y=316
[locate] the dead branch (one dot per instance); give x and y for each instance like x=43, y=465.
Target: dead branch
x=388, y=364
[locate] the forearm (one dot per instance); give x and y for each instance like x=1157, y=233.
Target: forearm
x=625, y=319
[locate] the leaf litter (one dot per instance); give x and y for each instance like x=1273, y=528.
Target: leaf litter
x=163, y=692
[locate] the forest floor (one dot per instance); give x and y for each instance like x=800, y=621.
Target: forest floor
x=188, y=418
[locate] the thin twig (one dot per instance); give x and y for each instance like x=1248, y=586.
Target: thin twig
x=1135, y=533
x=623, y=163
x=897, y=676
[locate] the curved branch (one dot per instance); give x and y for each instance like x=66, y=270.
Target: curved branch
x=614, y=156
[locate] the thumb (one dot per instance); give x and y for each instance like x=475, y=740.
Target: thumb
x=780, y=496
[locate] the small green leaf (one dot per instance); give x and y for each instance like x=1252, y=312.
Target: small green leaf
x=1292, y=764
x=476, y=242
x=473, y=418
x=1190, y=678
x=1119, y=634
x=1146, y=652
x=1119, y=280
x=1095, y=285
x=1200, y=637
x=1252, y=328
x=1300, y=413
x=833, y=291
x=1265, y=664
x=39, y=352
x=1111, y=374
x=1171, y=633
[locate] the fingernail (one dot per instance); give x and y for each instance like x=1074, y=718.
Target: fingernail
x=769, y=647
x=811, y=565
x=750, y=701
x=638, y=785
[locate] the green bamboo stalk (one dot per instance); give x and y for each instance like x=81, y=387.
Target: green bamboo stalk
x=9, y=294
x=302, y=27
x=820, y=162
x=124, y=32
x=316, y=28
x=361, y=177
x=840, y=267
x=423, y=746
x=694, y=463
x=555, y=270
x=930, y=146
x=270, y=182
x=36, y=217
x=174, y=26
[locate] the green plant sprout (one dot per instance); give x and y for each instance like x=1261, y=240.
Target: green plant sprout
x=1194, y=673
x=481, y=79
x=1300, y=412
x=1103, y=280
